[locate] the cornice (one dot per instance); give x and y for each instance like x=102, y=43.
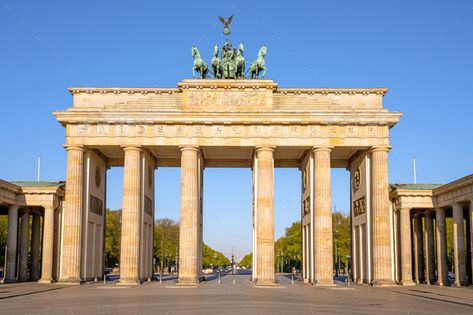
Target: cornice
x=343, y=118
x=456, y=184
x=336, y=91
x=115, y=90
x=227, y=84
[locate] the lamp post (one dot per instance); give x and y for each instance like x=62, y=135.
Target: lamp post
x=282, y=260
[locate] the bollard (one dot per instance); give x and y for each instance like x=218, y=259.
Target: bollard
x=104, y=279
x=292, y=279
x=160, y=279
x=234, y=279
x=219, y=281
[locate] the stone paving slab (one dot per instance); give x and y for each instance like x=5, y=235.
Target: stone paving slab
x=228, y=298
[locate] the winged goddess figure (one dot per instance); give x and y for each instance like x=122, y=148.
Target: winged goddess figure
x=226, y=25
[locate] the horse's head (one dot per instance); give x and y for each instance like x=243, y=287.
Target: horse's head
x=241, y=48
x=262, y=51
x=195, y=52
x=216, y=50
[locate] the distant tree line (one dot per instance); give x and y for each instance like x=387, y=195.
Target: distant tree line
x=166, y=244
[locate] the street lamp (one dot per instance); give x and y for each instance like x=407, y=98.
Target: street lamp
x=282, y=260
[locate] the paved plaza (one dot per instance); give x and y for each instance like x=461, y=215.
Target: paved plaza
x=228, y=298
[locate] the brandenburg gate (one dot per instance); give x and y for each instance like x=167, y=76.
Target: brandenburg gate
x=226, y=123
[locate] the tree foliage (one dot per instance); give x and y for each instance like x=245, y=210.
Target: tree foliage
x=247, y=261
x=166, y=242
x=288, y=249
x=112, y=237
x=341, y=238
x=213, y=258
x=3, y=237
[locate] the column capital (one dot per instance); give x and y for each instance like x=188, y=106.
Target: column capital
x=326, y=148
x=405, y=209
x=259, y=148
x=189, y=147
x=384, y=148
x=69, y=147
x=132, y=147
x=13, y=208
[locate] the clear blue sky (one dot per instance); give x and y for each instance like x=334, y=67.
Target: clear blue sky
x=421, y=50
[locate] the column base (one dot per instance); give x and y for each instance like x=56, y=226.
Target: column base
x=70, y=281
x=407, y=283
x=324, y=283
x=45, y=281
x=188, y=281
x=443, y=284
x=265, y=282
x=22, y=279
x=462, y=283
x=128, y=282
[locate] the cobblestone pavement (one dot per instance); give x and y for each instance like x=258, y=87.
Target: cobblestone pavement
x=228, y=298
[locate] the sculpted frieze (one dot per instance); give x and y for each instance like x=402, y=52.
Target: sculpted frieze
x=226, y=98
x=360, y=133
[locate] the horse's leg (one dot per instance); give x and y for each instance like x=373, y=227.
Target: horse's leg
x=264, y=71
x=193, y=72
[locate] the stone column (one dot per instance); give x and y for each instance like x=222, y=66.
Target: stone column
x=24, y=236
x=380, y=208
x=429, y=247
x=48, y=245
x=12, y=238
x=131, y=217
x=265, y=216
x=418, y=249
x=406, y=250
x=459, y=252
x=470, y=214
x=35, y=247
x=189, y=270
x=442, y=276
x=72, y=217
x=323, y=238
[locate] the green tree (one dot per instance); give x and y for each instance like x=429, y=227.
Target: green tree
x=3, y=237
x=166, y=242
x=112, y=237
x=213, y=258
x=341, y=238
x=247, y=261
x=288, y=249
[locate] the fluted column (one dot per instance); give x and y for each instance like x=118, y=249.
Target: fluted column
x=35, y=250
x=442, y=276
x=131, y=217
x=459, y=251
x=323, y=238
x=406, y=250
x=470, y=215
x=48, y=245
x=72, y=217
x=24, y=236
x=189, y=269
x=429, y=247
x=265, y=216
x=12, y=238
x=418, y=249
x=380, y=205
